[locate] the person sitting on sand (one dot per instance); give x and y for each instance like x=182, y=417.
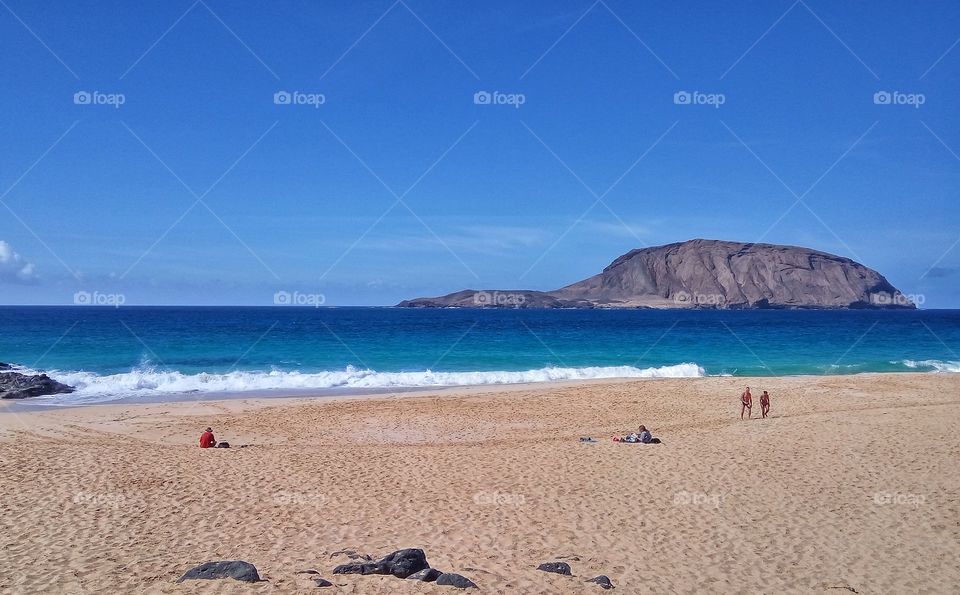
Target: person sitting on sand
x=765, y=403
x=207, y=440
x=746, y=402
x=642, y=435
x=646, y=437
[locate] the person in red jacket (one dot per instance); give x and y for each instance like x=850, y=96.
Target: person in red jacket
x=207, y=440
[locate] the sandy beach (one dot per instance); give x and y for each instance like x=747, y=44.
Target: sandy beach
x=851, y=484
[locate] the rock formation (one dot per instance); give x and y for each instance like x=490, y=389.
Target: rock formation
x=14, y=385
x=704, y=274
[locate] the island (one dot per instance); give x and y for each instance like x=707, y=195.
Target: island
x=704, y=274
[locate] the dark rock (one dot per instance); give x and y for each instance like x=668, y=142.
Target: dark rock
x=357, y=568
x=427, y=575
x=235, y=569
x=223, y=445
x=14, y=385
x=4, y=366
x=704, y=274
x=322, y=582
x=602, y=580
x=555, y=567
x=403, y=563
x=451, y=579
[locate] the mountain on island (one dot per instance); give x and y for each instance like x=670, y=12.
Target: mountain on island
x=704, y=274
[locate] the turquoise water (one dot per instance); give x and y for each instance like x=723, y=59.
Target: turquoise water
x=129, y=351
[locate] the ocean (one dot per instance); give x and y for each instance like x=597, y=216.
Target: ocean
x=128, y=352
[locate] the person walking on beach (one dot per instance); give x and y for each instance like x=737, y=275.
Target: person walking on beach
x=746, y=402
x=765, y=403
x=207, y=440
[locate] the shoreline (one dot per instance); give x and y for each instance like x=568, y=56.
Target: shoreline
x=46, y=404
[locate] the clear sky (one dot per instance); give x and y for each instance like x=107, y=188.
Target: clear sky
x=145, y=151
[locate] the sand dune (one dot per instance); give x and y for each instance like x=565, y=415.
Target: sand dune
x=852, y=483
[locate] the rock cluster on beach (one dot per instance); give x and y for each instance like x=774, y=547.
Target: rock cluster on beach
x=14, y=385
x=709, y=274
x=563, y=568
x=410, y=563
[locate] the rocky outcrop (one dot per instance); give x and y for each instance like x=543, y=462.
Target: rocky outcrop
x=401, y=564
x=235, y=569
x=473, y=298
x=410, y=563
x=705, y=274
x=14, y=385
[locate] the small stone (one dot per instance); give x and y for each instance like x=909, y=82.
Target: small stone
x=451, y=579
x=235, y=569
x=555, y=567
x=322, y=582
x=602, y=580
x=427, y=575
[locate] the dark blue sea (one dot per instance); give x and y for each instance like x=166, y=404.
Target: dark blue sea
x=110, y=353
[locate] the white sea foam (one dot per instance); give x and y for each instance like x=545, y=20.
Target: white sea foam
x=148, y=381
x=933, y=365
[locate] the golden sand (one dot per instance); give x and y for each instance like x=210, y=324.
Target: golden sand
x=851, y=483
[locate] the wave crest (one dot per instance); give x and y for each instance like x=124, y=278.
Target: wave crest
x=932, y=365
x=148, y=381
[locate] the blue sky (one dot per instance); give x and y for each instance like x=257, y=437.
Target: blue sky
x=200, y=189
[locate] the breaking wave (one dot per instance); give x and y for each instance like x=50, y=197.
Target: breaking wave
x=932, y=365
x=144, y=381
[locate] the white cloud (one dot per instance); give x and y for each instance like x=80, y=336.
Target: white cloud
x=13, y=267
